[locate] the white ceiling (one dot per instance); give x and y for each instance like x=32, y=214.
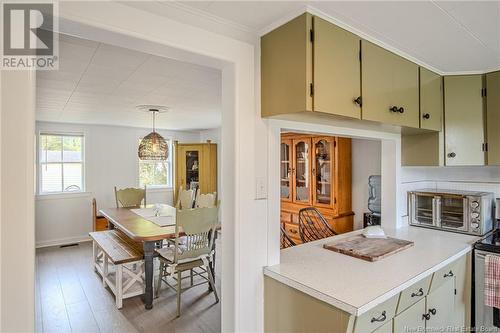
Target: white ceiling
x=448, y=36
x=101, y=84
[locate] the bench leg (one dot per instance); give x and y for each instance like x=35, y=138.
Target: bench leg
x=119, y=286
x=94, y=255
x=104, y=269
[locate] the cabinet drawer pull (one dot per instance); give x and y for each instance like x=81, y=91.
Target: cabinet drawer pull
x=382, y=317
x=449, y=274
x=452, y=155
x=426, y=316
x=401, y=110
x=426, y=116
x=418, y=294
x=432, y=311
x=293, y=231
x=394, y=109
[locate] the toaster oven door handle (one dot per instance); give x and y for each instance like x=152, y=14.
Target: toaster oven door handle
x=436, y=211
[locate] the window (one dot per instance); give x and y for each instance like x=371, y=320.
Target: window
x=61, y=166
x=156, y=173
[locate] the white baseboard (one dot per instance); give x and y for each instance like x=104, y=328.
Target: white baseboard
x=62, y=241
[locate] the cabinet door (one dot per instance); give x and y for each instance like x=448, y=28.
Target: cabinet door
x=464, y=126
x=286, y=169
x=431, y=100
x=412, y=319
x=322, y=171
x=286, y=68
x=388, y=81
x=440, y=307
x=493, y=117
x=337, y=72
x=302, y=171
x=190, y=170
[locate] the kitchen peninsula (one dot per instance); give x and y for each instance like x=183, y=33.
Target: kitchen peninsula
x=425, y=286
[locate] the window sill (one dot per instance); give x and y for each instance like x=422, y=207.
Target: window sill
x=153, y=189
x=63, y=195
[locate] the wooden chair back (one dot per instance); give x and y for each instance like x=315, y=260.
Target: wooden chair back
x=130, y=197
x=198, y=226
x=206, y=200
x=285, y=240
x=185, y=199
x=313, y=226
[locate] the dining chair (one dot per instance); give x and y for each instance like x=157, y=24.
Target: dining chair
x=185, y=199
x=205, y=200
x=198, y=226
x=313, y=226
x=130, y=197
x=285, y=240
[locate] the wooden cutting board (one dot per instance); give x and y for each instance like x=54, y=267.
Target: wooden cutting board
x=370, y=249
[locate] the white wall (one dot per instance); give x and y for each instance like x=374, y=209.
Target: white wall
x=110, y=160
x=17, y=264
x=366, y=159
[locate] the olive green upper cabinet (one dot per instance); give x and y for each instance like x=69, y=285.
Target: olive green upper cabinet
x=337, y=70
x=390, y=87
x=464, y=121
x=431, y=100
x=493, y=117
x=309, y=64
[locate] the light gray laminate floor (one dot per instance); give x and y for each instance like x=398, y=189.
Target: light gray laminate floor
x=70, y=298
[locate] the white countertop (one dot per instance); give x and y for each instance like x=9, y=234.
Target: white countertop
x=356, y=285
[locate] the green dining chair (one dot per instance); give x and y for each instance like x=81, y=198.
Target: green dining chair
x=198, y=226
x=130, y=197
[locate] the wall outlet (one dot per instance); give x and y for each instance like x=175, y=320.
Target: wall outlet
x=260, y=188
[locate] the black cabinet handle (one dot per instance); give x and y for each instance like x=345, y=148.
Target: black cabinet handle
x=418, y=294
x=359, y=101
x=382, y=317
x=401, y=110
x=450, y=273
x=426, y=116
x=394, y=109
x=452, y=155
x=432, y=311
x=426, y=316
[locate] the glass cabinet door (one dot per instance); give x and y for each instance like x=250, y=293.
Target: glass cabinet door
x=323, y=171
x=286, y=169
x=192, y=169
x=302, y=173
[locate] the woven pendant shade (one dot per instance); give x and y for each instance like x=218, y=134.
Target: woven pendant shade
x=153, y=147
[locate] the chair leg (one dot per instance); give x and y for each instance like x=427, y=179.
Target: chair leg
x=211, y=280
x=119, y=286
x=104, y=269
x=179, y=294
x=191, y=275
x=160, y=276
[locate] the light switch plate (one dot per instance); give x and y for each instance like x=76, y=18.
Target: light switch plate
x=260, y=188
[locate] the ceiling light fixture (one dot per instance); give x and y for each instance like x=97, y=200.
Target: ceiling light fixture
x=153, y=146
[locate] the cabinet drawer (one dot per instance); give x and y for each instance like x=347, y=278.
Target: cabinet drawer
x=411, y=319
x=376, y=317
x=386, y=328
x=285, y=217
x=295, y=218
x=441, y=276
x=292, y=230
x=414, y=293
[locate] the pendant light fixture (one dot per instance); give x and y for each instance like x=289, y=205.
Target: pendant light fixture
x=153, y=146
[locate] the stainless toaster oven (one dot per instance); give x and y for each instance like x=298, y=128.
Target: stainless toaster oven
x=459, y=211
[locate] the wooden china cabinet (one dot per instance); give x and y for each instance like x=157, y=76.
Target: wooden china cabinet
x=315, y=171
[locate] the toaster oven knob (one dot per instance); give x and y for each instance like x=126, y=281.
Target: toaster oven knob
x=474, y=215
x=474, y=204
x=474, y=225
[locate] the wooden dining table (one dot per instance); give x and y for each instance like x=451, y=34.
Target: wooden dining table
x=141, y=230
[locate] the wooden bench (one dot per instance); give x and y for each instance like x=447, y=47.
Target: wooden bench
x=125, y=277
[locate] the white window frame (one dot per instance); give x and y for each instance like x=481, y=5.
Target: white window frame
x=170, y=163
x=39, y=162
